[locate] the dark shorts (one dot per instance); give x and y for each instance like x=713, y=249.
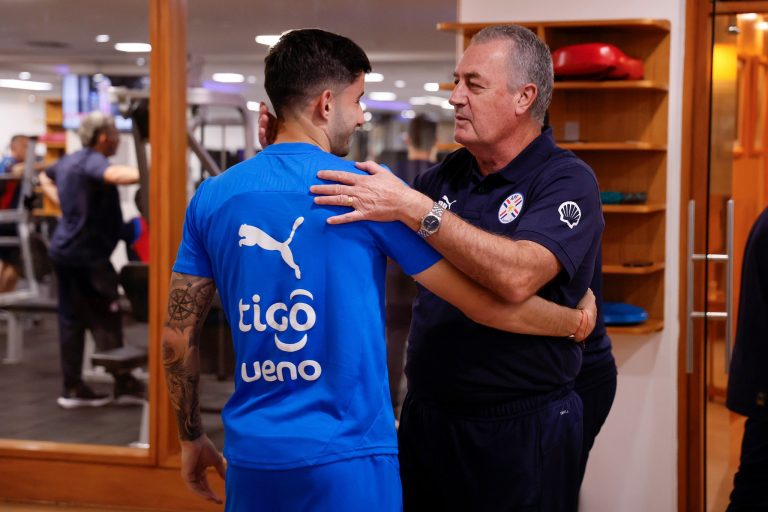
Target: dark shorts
x=521, y=456
x=370, y=484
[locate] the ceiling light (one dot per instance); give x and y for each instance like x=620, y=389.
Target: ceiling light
x=418, y=100
x=363, y=105
x=133, y=47
x=228, y=78
x=399, y=84
x=432, y=86
x=252, y=105
x=382, y=96
x=267, y=40
x=408, y=114
x=141, y=61
x=447, y=105
x=27, y=85
x=748, y=16
x=98, y=77
x=763, y=25
x=374, y=77
x=102, y=38
x=367, y=116
x=25, y=75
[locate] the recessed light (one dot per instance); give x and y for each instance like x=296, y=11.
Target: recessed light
x=748, y=16
x=408, y=114
x=102, y=38
x=252, y=105
x=447, y=105
x=399, y=84
x=228, y=78
x=268, y=40
x=133, y=47
x=418, y=100
x=382, y=96
x=374, y=77
x=763, y=25
x=432, y=86
x=25, y=75
x=27, y=85
x=251, y=79
x=367, y=116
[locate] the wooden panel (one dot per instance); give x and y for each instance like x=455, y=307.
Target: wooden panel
x=633, y=238
x=623, y=269
x=646, y=291
x=103, y=486
x=612, y=146
x=650, y=326
x=630, y=172
x=634, y=208
x=167, y=195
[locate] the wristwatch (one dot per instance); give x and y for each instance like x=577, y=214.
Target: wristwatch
x=430, y=223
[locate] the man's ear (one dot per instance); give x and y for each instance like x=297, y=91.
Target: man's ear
x=325, y=103
x=527, y=95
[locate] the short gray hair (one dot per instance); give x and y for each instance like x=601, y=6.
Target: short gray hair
x=530, y=59
x=92, y=125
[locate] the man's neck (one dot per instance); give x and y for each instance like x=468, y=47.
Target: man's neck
x=491, y=159
x=301, y=130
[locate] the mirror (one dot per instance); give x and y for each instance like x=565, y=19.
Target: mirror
x=59, y=63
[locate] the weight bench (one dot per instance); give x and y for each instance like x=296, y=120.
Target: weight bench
x=13, y=314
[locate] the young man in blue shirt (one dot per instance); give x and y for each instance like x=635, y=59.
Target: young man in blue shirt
x=310, y=424
x=497, y=426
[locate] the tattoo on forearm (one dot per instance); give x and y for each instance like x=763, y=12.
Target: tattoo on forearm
x=189, y=300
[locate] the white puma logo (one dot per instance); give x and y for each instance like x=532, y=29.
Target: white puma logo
x=251, y=235
x=446, y=203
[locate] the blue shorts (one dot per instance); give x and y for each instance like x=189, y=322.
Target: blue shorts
x=363, y=483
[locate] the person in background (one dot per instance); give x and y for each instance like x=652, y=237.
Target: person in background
x=310, y=424
x=421, y=141
x=748, y=375
x=497, y=427
x=11, y=169
x=80, y=250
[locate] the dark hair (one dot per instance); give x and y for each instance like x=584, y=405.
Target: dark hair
x=305, y=62
x=422, y=131
x=18, y=137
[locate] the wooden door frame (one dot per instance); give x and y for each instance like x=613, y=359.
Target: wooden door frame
x=694, y=185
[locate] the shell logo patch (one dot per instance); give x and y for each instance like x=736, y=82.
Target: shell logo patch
x=510, y=208
x=570, y=213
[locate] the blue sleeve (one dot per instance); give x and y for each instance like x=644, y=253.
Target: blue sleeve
x=565, y=217
x=192, y=257
x=95, y=166
x=413, y=254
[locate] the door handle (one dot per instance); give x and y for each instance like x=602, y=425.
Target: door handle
x=727, y=258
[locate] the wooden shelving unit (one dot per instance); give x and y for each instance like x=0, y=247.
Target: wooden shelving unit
x=621, y=132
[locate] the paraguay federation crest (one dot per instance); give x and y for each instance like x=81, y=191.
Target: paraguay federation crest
x=510, y=208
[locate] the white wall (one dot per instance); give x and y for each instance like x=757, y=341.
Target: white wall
x=20, y=115
x=633, y=466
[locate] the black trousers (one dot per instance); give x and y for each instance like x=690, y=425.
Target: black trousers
x=87, y=300
x=750, y=484
x=401, y=291
x=520, y=456
x=597, y=401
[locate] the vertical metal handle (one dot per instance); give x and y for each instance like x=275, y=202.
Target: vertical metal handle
x=729, y=285
x=689, y=288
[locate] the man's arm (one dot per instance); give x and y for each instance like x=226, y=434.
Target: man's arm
x=513, y=269
x=121, y=175
x=189, y=300
x=534, y=316
x=49, y=188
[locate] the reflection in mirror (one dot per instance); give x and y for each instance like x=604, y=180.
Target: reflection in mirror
x=75, y=350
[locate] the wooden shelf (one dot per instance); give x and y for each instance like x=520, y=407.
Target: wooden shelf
x=598, y=85
x=56, y=145
x=449, y=146
x=612, y=146
x=641, y=24
x=649, y=326
x=624, y=270
x=634, y=208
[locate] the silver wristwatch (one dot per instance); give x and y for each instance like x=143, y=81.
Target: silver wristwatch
x=430, y=223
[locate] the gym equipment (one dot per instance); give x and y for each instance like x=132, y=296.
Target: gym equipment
x=595, y=61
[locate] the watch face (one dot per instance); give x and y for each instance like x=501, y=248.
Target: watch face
x=431, y=223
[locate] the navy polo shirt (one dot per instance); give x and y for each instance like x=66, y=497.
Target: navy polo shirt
x=91, y=218
x=748, y=376
x=545, y=195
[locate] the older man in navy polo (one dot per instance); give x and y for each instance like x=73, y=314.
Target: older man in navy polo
x=491, y=420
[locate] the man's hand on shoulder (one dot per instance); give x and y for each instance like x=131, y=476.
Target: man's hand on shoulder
x=381, y=196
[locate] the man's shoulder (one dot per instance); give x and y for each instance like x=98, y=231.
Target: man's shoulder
x=454, y=166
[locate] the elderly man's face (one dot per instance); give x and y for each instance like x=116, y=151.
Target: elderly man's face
x=483, y=102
